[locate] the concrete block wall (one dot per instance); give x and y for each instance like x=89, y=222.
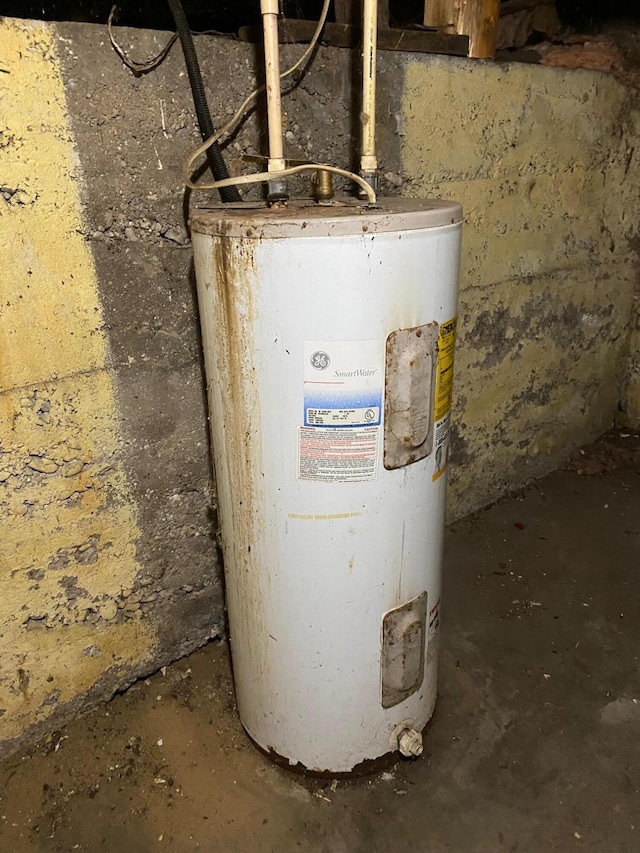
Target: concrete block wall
x=545, y=163
x=108, y=559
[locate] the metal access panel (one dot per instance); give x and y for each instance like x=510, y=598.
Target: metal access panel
x=410, y=372
x=404, y=638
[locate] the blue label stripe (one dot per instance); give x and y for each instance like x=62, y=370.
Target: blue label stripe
x=337, y=402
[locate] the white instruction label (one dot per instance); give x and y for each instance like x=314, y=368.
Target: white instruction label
x=441, y=445
x=433, y=636
x=342, y=455
x=343, y=387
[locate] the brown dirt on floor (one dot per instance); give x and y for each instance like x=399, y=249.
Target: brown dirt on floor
x=613, y=451
x=535, y=745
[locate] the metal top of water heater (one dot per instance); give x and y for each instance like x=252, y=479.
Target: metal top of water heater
x=306, y=218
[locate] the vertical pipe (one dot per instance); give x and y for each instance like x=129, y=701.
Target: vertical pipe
x=214, y=154
x=269, y=9
x=368, y=160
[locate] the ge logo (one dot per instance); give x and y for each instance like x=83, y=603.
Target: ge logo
x=320, y=360
x=369, y=415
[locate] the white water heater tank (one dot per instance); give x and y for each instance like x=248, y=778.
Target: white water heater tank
x=328, y=337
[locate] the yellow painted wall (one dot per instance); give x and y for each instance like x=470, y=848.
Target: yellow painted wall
x=68, y=523
x=545, y=164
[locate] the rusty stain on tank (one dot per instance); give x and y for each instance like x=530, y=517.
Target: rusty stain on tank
x=237, y=441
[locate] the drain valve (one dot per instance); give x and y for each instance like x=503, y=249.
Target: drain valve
x=407, y=740
x=410, y=743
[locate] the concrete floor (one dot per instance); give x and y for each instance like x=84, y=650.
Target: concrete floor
x=535, y=745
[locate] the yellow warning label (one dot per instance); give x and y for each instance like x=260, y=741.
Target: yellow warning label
x=444, y=392
x=444, y=374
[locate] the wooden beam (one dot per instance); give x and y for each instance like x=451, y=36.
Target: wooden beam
x=383, y=14
x=345, y=11
x=350, y=12
x=343, y=35
x=478, y=19
x=440, y=13
x=509, y=6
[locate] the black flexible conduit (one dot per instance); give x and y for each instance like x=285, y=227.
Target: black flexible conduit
x=214, y=154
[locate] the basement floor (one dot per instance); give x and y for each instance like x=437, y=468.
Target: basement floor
x=535, y=744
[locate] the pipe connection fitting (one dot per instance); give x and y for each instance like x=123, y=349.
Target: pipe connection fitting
x=323, y=186
x=406, y=740
x=410, y=743
x=372, y=179
x=277, y=190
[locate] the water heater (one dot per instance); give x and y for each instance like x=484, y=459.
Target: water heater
x=328, y=335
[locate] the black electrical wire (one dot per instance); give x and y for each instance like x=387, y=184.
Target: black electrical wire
x=214, y=154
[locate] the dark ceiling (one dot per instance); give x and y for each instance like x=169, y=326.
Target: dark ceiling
x=228, y=15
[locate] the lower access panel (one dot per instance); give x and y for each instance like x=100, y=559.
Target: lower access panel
x=404, y=637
